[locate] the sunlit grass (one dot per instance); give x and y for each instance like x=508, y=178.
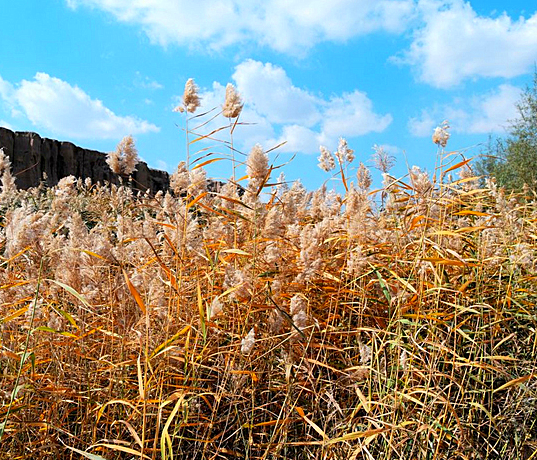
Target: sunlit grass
x=389, y=324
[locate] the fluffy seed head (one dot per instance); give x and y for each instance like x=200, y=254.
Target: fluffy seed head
x=420, y=180
x=8, y=181
x=441, y=134
x=191, y=100
x=247, y=344
x=326, y=160
x=124, y=159
x=364, y=177
x=257, y=166
x=180, y=180
x=381, y=159
x=344, y=153
x=233, y=104
x=4, y=160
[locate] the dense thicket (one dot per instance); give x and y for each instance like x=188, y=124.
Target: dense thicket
x=513, y=160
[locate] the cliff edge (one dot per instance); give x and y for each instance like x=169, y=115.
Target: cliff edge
x=32, y=155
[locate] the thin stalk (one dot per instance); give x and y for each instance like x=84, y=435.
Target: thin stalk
x=25, y=350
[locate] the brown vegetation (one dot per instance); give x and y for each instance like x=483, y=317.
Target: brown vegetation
x=390, y=324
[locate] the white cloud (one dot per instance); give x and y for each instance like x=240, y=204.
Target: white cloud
x=67, y=110
x=480, y=114
x=300, y=139
x=455, y=44
x=495, y=110
x=280, y=111
x=7, y=92
x=352, y=115
x=6, y=89
x=162, y=165
x=270, y=92
x=391, y=149
x=258, y=130
x=423, y=125
x=290, y=26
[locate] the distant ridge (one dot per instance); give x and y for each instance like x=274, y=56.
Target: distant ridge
x=32, y=155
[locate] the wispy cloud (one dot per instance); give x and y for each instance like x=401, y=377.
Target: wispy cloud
x=67, y=110
x=455, y=44
x=481, y=114
x=287, y=26
x=280, y=111
x=144, y=82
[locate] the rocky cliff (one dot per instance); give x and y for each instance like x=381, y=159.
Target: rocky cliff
x=31, y=156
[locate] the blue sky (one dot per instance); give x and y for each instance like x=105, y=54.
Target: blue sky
x=310, y=71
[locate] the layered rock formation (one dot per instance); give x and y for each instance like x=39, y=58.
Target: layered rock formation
x=31, y=156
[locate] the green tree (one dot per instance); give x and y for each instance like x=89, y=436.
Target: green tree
x=513, y=160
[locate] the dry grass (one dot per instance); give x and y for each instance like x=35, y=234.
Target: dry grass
x=398, y=331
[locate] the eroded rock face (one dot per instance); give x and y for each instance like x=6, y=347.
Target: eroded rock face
x=31, y=156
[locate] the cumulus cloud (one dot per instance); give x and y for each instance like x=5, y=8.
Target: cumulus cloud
x=455, y=44
x=67, y=110
x=353, y=114
x=290, y=26
x=487, y=113
x=423, y=125
x=279, y=111
x=270, y=92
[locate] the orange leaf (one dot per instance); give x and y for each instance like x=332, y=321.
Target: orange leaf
x=458, y=165
x=193, y=202
x=208, y=162
x=514, y=382
x=135, y=293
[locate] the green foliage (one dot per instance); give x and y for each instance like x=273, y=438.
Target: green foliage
x=512, y=161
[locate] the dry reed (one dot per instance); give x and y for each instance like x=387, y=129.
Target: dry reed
x=303, y=325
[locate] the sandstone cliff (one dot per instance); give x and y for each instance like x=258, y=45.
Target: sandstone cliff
x=31, y=156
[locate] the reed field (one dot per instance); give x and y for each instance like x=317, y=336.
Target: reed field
x=259, y=320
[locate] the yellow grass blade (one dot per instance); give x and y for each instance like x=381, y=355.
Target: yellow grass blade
x=20, y=253
x=363, y=400
x=514, y=382
x=311, y=423
x=72, y=291
x=165, y=440
x=115, y=401
x=120, y=448
x=93, y=254
x=168, y=342
x=84, y=454
x=441, y=261
x=15, y=314
x=201, y=311
x=356, y=435
x=141, y=386
x=237, y=251
x=471, y=229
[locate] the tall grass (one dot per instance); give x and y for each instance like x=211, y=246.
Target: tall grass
x=300, y=325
